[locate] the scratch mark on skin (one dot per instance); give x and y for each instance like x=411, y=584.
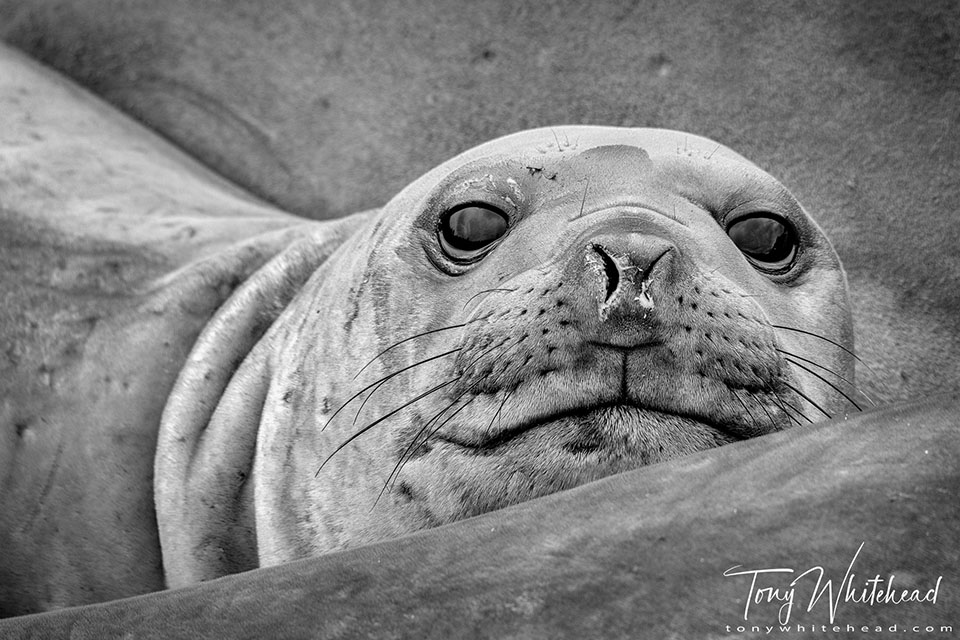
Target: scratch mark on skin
x=47, y=488
x=583, y=200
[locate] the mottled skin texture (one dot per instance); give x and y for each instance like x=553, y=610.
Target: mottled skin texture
x=549, y=375
x=101, y=222
x=613, y=326
x=879, y=181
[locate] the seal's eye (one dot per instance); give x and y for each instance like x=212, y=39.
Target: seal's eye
x=469, y=231
x=767, y=241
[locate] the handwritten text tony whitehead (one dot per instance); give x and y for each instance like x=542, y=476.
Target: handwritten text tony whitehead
x=875, y=591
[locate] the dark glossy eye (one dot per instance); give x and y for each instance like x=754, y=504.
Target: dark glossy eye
x=768, y=241
x=468, y=232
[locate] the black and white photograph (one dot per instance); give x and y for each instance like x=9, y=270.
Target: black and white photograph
x=345, y=319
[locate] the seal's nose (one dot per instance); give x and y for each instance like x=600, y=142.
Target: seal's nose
x=626, y=269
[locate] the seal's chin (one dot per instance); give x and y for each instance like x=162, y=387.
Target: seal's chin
x=623, y=431
x=466, y=471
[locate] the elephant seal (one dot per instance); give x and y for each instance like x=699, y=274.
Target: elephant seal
x=197, y=384
x=543, y=310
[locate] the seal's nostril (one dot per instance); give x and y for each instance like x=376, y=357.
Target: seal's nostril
x=611, y=270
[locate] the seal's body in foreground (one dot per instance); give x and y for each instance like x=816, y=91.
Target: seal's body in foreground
x=211, y=385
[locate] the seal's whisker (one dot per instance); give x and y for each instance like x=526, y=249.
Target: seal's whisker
x=480, y=293
x=468, y=389
x=415, y=443
x=382, y=380
x=762, y=406
x=829, y=370
x=789, y=415
x=499, y=409
x=753, y=419
x=356, y=416
x=807, y=398
x=816, y=335
x=387, y=378
x=442, y=424
x=784, y=404
x=381, y=419
x=833, y=386
x=414, y=337
x=448, y=419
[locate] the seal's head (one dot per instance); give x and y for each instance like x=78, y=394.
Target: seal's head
x=543, y=310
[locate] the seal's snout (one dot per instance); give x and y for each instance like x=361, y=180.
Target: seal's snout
x=624, y=270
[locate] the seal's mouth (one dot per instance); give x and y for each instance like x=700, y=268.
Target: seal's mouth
x=596, y=424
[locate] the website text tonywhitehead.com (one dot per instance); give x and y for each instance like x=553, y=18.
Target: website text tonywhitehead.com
x=863, y=629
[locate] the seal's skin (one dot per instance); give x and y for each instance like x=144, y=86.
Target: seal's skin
x=614, y=324
x=646, y=549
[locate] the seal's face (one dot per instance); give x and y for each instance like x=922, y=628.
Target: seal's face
x=545, y=310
